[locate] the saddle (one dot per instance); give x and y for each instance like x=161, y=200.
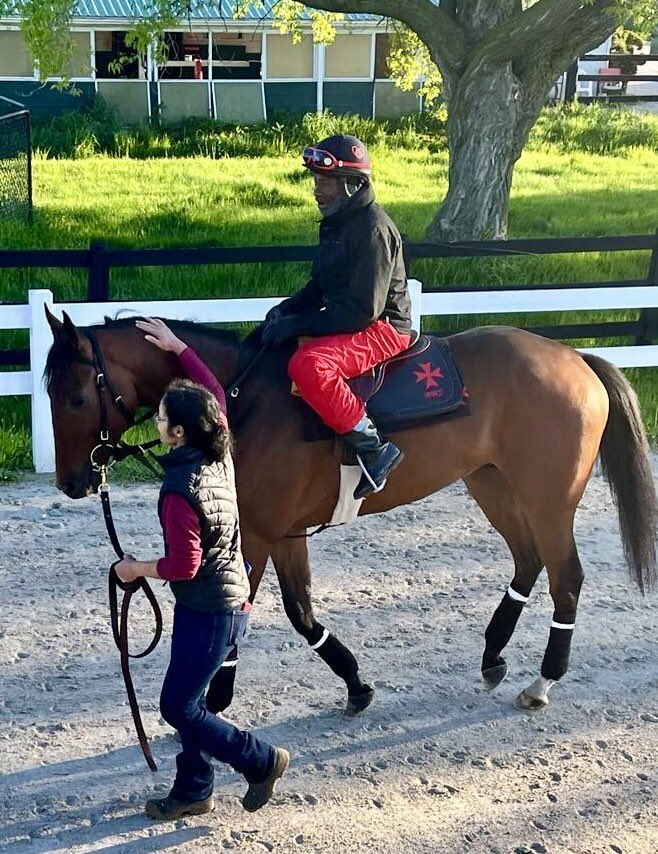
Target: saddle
x=420, y=383
x=417, y=385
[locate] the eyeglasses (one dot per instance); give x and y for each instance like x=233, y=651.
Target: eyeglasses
x=157, y=418
x=325, y=160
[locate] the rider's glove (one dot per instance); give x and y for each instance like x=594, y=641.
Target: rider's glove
x=278, y=330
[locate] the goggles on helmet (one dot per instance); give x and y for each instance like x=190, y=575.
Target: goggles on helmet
x=318, y=158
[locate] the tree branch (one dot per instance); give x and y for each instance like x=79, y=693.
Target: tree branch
x=544, y=22
x=434, y=25
x=480, y=17
x=585, y=29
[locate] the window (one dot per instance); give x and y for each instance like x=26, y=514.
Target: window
x=15, y=61
x=187, y=56
x=348, y=56
x=80, y=63
x=114, y=59
x=382, y=50
x=287, y=60
x=236, y=56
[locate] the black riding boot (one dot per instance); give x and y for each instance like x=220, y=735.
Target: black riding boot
x=376, y=457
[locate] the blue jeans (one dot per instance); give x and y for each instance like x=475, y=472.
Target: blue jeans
x=200, y=643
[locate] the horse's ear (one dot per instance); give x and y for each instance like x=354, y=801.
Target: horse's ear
x=56, y=325
x=65, y=330
x=68, y=328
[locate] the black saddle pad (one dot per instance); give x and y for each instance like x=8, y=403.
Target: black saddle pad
x=421, y=383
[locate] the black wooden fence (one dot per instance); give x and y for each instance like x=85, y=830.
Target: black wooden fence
x=99, y=261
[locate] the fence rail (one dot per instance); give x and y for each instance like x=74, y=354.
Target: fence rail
x=32, y=317
x=99, y=260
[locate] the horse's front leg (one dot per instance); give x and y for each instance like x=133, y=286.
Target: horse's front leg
x=291, y=562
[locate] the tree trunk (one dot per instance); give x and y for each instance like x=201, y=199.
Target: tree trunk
x=483, y=119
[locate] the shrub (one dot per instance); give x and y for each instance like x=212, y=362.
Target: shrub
x=595, y=129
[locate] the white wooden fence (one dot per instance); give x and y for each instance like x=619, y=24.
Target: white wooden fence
x=32, y=317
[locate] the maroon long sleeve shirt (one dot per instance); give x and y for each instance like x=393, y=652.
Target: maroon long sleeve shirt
x=180, y=522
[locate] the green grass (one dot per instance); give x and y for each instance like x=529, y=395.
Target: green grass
x=245, y=201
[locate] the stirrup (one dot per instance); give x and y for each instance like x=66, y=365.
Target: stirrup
x=366, y=474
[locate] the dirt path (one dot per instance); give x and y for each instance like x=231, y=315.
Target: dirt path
x=435, y=765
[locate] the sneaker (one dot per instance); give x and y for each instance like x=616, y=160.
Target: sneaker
x=169, y=808
x=258, y=794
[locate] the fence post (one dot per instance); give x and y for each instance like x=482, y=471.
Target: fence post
x=649, y=316
x=416, y=297
x=98, y=281
x=43, y=442
x=571, y=82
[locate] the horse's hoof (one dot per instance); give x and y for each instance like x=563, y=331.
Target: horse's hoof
x=357, y=703
x=525, y=702
x=493, y=676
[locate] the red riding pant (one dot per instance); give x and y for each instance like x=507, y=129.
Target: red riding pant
x=321, y=367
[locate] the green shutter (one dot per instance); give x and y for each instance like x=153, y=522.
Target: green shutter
x=290, y=98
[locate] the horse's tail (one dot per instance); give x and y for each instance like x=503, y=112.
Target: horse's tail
x=626, y=463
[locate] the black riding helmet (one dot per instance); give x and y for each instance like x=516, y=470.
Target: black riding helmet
x=340, y=155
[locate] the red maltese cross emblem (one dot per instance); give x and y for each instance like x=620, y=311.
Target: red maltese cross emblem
x=428, y=375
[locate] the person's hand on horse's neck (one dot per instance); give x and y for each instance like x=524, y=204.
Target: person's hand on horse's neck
x=126, y=350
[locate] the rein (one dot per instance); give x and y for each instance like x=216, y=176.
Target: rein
x=234, y=389
x=120, y=625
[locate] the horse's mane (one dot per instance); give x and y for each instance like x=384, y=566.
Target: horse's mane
x=228, y=335
x=63, y=355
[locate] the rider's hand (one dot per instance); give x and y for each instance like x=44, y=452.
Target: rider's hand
x=274, y=313
x=276, y=331
x=158, y=333
x=127, y=570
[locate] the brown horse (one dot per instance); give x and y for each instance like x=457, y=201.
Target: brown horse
x=541, y=413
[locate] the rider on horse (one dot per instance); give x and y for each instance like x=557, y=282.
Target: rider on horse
x=356, y=306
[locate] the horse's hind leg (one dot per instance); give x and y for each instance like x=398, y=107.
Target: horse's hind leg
x=291, y=562
x=493, y=493
x=565, y=577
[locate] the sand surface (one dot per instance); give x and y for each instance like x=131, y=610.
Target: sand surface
x=436, y=764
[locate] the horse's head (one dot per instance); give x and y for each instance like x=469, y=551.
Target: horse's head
x=86, y=419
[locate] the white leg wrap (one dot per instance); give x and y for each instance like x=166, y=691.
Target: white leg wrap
x=325, y=635
x=516, y=596
x=568, y=627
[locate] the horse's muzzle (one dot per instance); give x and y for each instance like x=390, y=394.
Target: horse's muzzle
x=86, y=483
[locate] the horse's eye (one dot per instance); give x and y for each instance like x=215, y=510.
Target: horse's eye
x=78, y=401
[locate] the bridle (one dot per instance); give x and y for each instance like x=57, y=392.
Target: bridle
x=120, y=450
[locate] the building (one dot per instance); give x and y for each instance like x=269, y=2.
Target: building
x=241, y=71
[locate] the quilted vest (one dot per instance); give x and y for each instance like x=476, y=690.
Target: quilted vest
x=221, y=582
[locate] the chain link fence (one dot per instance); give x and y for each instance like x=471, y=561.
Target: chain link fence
x=15, y=160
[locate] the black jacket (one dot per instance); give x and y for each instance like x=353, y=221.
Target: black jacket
x=358, y=276
x=221, y=582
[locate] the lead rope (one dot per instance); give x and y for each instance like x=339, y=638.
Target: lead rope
x=120, y=627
